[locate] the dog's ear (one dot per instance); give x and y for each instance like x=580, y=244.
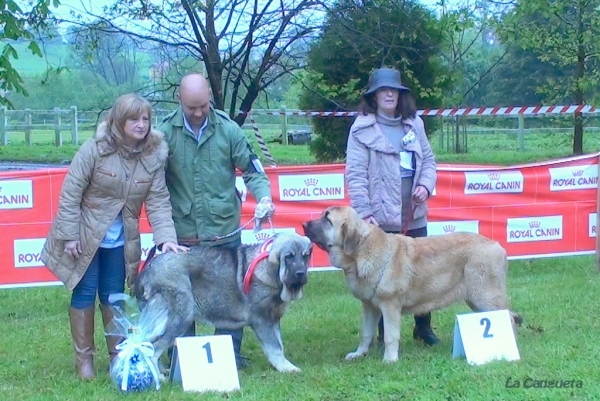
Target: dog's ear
x=308, y=246
x=274, y=253
x=351, y=237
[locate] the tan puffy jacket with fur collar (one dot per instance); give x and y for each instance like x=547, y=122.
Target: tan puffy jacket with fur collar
x=100, y=183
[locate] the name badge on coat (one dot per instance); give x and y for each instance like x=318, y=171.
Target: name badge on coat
x=409, y=137
x=406, y=164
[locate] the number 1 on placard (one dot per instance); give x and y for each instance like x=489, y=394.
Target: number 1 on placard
x=208, y=352
x=486, y=332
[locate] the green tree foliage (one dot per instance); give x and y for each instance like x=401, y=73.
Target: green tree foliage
x=469, y=51
x=245, y=45
x=66, y=88
x=358, y=37
x=520, y=79
x=15, y=24
x=563, y=33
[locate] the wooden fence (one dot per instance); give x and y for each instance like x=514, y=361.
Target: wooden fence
x=59, y=120
x=452, y=131
x=70, y=122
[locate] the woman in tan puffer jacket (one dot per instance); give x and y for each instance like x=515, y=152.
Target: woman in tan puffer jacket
x=94, y=243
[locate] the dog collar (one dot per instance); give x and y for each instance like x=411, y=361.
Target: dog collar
x=262, y=254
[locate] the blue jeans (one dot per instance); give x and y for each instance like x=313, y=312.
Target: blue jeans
x=105, y=275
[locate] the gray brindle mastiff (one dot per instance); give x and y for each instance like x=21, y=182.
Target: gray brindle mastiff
x=207, y=285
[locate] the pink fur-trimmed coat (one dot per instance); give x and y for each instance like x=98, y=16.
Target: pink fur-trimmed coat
x=373, y=170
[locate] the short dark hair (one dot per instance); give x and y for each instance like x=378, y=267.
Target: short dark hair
x=406, y=107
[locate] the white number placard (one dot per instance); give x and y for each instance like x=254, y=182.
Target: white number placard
x=484, y=337
x=205, y=363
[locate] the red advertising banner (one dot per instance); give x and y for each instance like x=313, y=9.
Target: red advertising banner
x=534, y=210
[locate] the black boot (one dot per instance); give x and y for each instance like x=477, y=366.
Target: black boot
x=423, y=330
x=236, y=338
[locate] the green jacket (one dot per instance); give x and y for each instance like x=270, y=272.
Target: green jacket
x=201, y=176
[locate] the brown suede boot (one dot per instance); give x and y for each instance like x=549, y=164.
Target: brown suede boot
x=111, y=341
x=82, y=331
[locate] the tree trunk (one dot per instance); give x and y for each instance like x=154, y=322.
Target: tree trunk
x=579, y=99
x=246, y=105
x=457, y=144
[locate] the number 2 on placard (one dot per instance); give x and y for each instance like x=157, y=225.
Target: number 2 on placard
x=208, y=352
x=486, y=332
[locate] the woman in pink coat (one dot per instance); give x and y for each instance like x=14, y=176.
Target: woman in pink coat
x=390, y=167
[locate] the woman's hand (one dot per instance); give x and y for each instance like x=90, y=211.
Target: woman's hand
x=73, y=248
x=371, y=220
x=171, y=247
x=420, y=194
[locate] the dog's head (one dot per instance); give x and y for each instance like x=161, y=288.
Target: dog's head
x=339, y=229
x=291, y=252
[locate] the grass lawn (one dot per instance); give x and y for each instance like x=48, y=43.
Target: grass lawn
x=498, y=149
x=555, y=296
x=557, y=342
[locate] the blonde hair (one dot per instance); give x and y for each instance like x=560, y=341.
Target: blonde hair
x=130, y=105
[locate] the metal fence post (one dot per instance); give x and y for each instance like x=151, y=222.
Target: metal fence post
x=442, y=131
x=74, y=126
x=284, y=123
x=521, y=132
x=3, y=124
x=57, y=122
x=28, y=140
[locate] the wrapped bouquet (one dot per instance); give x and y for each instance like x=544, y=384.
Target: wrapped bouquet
x=133, y=369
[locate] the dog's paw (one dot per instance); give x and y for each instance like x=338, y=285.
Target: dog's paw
x=291, y=369
x=354, y=355
x=390, y=359
x=287, y=367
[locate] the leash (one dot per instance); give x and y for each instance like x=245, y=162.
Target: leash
x=199, y=241
x=409, y=219
x=383, y=270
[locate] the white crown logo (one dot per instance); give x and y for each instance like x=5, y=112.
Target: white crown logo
x=450, y=228
x=262, y=236
x=311, y=182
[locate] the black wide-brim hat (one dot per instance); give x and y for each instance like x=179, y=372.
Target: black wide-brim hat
x=385, y=77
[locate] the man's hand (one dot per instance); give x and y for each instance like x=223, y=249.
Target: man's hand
x=264, y=208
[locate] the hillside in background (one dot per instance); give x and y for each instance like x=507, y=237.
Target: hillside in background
x=56, y=55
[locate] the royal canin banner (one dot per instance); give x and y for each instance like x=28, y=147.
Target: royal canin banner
x=536, y=210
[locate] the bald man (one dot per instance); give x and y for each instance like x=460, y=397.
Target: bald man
x=205, y=148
